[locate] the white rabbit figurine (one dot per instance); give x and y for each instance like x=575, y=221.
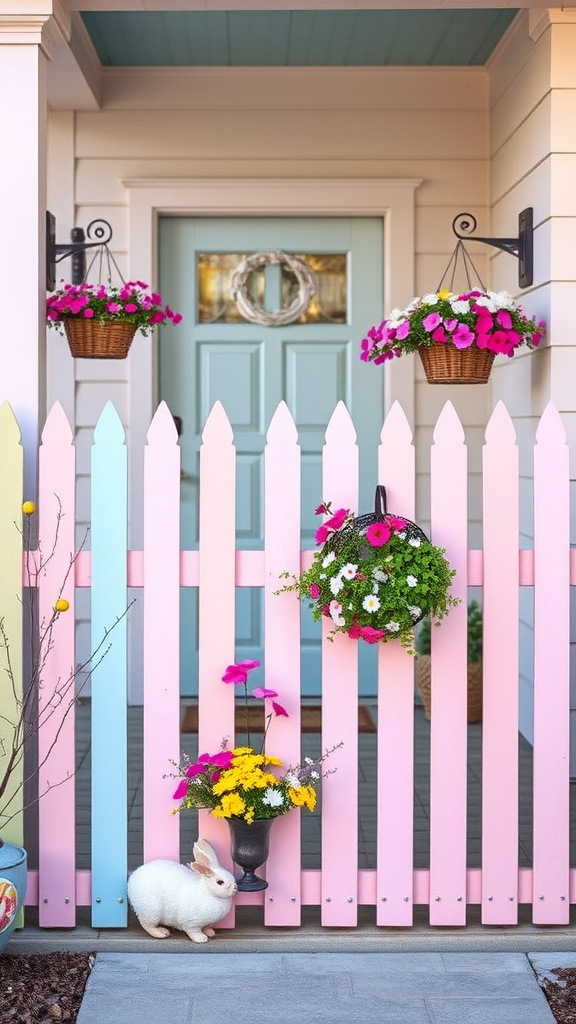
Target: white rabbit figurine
x=189, y=897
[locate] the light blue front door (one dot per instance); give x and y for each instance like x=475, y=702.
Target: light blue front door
x=250, y=368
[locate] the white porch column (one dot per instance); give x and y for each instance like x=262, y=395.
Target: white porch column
x=27, y=30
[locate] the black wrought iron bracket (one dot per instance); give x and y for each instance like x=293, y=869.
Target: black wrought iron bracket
x=522, y=247
x=99, y=233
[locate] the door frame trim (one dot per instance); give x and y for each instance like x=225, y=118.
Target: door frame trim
x=392, y=199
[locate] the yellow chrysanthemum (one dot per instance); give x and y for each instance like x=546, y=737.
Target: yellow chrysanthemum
x=444, y=294
x=249, y=816
x=272, y=760
x=231, y=805
x=303, y=796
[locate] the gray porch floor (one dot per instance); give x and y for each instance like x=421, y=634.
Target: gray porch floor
x=311, y=822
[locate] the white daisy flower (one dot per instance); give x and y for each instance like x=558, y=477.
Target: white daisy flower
x=392, y=627
x=336, y=585
x=273, y=797
x=371, y=603
x=349, y=570
x=329, y=558
x=292, y=779
x=415, y=542
x=415, y=611
x=412, y=581
x=460, y=305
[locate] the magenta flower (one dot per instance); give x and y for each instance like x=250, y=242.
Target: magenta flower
x=338, y=519
x=504, y=319
x=262, y=693
x=463, y=336
x=239, y=673
x=88, y=313
x=431, y=321
x=314, y=591
x=370, y=635
x=180, y=790
x=378, y=534
x=451, y=324
x=396, y=522
x=130, y=307
x=321, y=510
x=279, y=710
x=403, y=330
x=322, y=534
x=439, y=334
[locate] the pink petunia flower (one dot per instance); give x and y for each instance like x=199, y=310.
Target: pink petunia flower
x=314, y=591
x=322, y=534
x=262, y=692
x=338, y=519
x=180, y=790
x=431, y=321
x=371, y=635
x=378, y=534
x=463, y=336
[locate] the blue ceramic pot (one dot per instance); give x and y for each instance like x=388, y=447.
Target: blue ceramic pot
x=13, y=873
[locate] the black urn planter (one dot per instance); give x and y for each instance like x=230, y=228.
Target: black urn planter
x=249, y=845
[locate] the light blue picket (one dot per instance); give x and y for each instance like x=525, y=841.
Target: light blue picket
x=109, y=681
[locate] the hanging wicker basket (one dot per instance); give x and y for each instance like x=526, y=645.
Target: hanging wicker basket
x=445, y=364
x=423, y=683
x=90, y=340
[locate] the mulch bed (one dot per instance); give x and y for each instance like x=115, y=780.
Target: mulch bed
x=561, y=995
x=43, y=988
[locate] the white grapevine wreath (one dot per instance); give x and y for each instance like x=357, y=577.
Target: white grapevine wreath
x=280, y=317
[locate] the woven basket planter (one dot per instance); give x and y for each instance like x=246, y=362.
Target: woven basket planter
x=423, y=677
x=89, y=340
x=445, y=364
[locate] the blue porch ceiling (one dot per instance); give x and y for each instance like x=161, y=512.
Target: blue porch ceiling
x=313, y=38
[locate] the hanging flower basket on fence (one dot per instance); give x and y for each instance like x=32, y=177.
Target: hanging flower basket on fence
x=375, y=575
x=445, y=364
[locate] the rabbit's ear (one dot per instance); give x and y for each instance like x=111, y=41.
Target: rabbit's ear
x=202, y=869
x=204, y=854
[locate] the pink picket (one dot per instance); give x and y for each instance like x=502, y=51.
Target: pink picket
x=448, y=736
x=216, y=605
x=54, y=578
x=500, y=666
x=394, y=887
x=340, y=706
x=282, y=652
x=551, y=672
x=161, y=636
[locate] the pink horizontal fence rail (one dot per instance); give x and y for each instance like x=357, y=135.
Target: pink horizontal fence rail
x=217, y=568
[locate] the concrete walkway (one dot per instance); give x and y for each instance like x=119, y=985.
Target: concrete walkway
x=313, y=988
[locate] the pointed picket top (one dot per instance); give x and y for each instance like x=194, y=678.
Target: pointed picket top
x=396, y=426
x=217, y=427
x=449, y=430
x=500, y=428
x=550, y=430
x=282, y=427
x=340, y=429
x=109, y=429
x=9, y=429
x=57, y=429
x=162, y=428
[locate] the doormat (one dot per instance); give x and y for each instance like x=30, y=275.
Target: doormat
x=311, y=719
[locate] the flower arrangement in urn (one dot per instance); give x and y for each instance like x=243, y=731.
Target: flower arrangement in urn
x=245, y=787
x=374, y=581
x=486, y=322
x=242, y=782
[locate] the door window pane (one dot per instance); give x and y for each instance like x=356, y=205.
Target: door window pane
x=328, y=305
